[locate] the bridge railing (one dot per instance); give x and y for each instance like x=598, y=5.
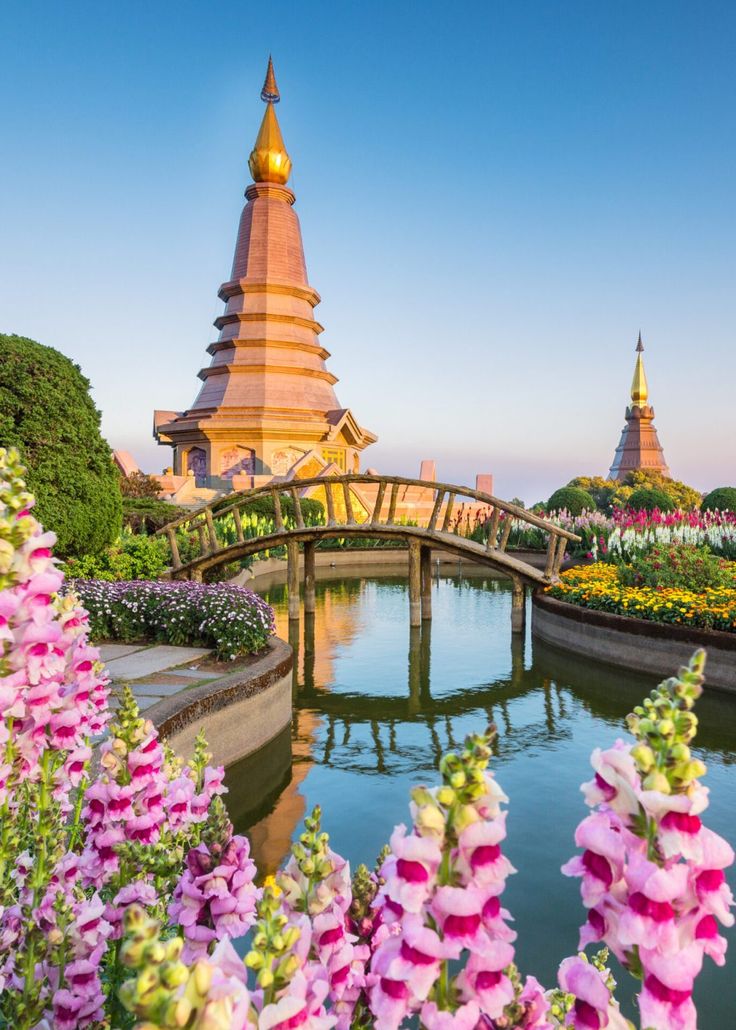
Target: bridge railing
x=380, y=513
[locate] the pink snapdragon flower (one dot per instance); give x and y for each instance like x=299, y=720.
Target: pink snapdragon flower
x=593, y=1007
x=215, y=898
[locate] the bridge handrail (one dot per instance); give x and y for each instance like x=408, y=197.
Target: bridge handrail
x=356, y=478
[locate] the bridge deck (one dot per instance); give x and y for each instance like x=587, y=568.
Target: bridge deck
x=215, y=525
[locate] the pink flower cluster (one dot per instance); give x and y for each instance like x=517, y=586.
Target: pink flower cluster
x=215, y=898
x=440, y=901
x=53, y=690
x=335, y=948
x=64, y=895
x=652, y=880
x=138, y=797
x=643, y=519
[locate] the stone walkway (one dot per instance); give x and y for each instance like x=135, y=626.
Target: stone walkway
x=155, y=671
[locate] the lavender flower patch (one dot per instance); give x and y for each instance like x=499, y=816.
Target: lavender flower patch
x=231, y=620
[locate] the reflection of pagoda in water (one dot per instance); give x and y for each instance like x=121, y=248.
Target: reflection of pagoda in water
x=639, y=448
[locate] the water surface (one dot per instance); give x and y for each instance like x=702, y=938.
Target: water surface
x=376, y=704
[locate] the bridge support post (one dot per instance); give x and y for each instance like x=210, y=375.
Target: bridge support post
x=310, y=600
x=415, y=583
x=518, y=606
x=292, y=578
x=426, y=576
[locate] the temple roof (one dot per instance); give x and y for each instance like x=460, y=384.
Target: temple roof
x=267, y=380
x=639, y=447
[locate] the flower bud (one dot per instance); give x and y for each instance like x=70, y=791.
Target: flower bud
x=421, y=796
x=430, y=821
x=695, y=769
x=202, y=976
x=265, y=978
x=464, y=817
x=657, y=781
x=446, y=796
x=643, y=756
x=173, y=975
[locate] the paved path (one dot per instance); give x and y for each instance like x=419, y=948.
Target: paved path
x=154, y=672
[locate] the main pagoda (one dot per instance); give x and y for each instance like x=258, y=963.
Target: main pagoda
x=267, y=404
x=639, y=447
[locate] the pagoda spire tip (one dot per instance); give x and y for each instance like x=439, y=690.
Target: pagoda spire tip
x=639, y=345
x=270, y=92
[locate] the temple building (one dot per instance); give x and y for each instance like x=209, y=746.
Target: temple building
x=267, y=405
x=639, y=447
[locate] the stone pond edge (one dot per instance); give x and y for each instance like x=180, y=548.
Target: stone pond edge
x=635, y=644
x=240, y=713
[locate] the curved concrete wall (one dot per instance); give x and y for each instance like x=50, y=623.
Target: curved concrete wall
x=649, y=647
x=238, y=713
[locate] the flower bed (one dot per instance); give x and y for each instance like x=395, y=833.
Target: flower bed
x=598, y=587
x=231, y=620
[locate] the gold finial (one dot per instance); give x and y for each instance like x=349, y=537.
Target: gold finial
x=269, y=161
x=639, y=388
x=270, y=92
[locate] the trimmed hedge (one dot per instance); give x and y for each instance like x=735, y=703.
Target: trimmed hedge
x=47, y=413
x=723, y=498
x=647, y=499
x=149, y=514
x=572, y=499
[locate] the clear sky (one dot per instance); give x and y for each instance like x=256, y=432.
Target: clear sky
x=494, y=197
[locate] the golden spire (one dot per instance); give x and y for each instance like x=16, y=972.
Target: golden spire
x=639, y=388
x=269, y=161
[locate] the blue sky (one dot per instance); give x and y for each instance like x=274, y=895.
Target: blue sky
x=494, y=197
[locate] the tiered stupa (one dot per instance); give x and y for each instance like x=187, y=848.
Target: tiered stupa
x=639, y=447
x=267, y=406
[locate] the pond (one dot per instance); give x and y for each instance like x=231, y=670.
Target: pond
x=376, y=705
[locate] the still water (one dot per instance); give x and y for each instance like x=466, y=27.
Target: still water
x=376, y=704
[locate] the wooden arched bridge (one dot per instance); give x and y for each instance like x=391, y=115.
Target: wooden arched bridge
x=360, y=505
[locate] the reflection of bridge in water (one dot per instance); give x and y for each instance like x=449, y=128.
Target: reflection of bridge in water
x=346, y=716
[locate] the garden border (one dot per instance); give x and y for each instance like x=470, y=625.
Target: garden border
x=636, y=644
x=240, y=712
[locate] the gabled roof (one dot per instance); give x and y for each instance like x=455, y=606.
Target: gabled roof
x=343, y=421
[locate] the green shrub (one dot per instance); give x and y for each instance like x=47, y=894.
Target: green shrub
x=571, y=499
x=603, y=491
x=683, y=497
x=149, y=514
x=47, y=413
x=680, y=567
x=132, y=557
x=723, y=498
x=313, y=512
x=647, y=499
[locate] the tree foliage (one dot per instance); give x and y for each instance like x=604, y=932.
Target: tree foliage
x=723, y=498
x=683, y=497
x=572, y=499
x=47, y=413
x=613, y=493
x=149, y=514
x=646, y=498
x=139, y=484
